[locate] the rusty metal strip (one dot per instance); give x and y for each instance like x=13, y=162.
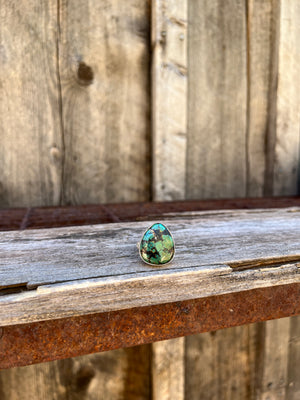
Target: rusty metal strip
x=50, y=217
x=51, y=340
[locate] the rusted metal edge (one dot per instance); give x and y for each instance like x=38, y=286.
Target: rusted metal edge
x=50, y=217
x=57, y=339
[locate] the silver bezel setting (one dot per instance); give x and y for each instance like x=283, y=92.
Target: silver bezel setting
x=139, y=246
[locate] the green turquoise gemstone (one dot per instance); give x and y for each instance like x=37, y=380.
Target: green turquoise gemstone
x=157, y=245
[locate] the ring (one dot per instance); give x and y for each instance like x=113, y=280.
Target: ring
x=157, y=246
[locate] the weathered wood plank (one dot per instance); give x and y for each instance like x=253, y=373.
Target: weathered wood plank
x=54, y=339
x=286, y=164
x=100, y=295
x=215, y=362
x=169, y=98
x=92, y=87
x=104, y=73
x=37, y=257
x=168, y=369
x=293, y=381
x=117, y=279
x=217, y=99
x=272, y=380
x=109, y=294
x=40, y=381
x=262, y=55
x=121, y=373
x=31, y=140
x=273, y=20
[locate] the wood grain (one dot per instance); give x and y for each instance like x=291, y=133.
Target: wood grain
x=243, y=237
x=274, y=358
x=103, y=376
x=270, y=132
x=262, y=55
x=257, y=244
x=286, y=165
x=217, y=100
x=102, y=295
x=215, y=362
x=105, y=89
x=293, y=382
x=79, y=80
x=168, y=369
x=169, y=98
x=31, y=143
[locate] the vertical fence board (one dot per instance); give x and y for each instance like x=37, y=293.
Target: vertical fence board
x=262, y=28
x=40, y=381
x=293, y=381
x=217, y=100
x=169, y=98
x=106, y=376
x=104, y=72
x=30, y=134
x=220, y=363
x=168, y=370
x=287, y=147
x=272, y=362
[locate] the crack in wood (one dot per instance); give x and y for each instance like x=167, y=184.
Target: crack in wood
x=13, y=289
x=275, y=262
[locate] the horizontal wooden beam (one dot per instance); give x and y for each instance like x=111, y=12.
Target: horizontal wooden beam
x=62, y=272
x=69, y=337
x=72, y=291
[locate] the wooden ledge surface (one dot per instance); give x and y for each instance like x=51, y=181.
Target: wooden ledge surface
x=69, y=337
x=80, y=289
x=63, y=272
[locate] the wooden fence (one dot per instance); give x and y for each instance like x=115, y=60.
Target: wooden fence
x=113, y=101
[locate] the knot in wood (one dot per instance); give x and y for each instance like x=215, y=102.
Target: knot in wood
x=84, y=376
x=85, y=74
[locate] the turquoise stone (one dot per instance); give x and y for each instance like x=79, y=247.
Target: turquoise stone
x=157, y=245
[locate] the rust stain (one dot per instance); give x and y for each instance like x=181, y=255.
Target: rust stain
x=63, y=338
x=51, y=217
x=57, y=339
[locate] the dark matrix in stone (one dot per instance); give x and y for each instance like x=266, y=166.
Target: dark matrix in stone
x=157, y=245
